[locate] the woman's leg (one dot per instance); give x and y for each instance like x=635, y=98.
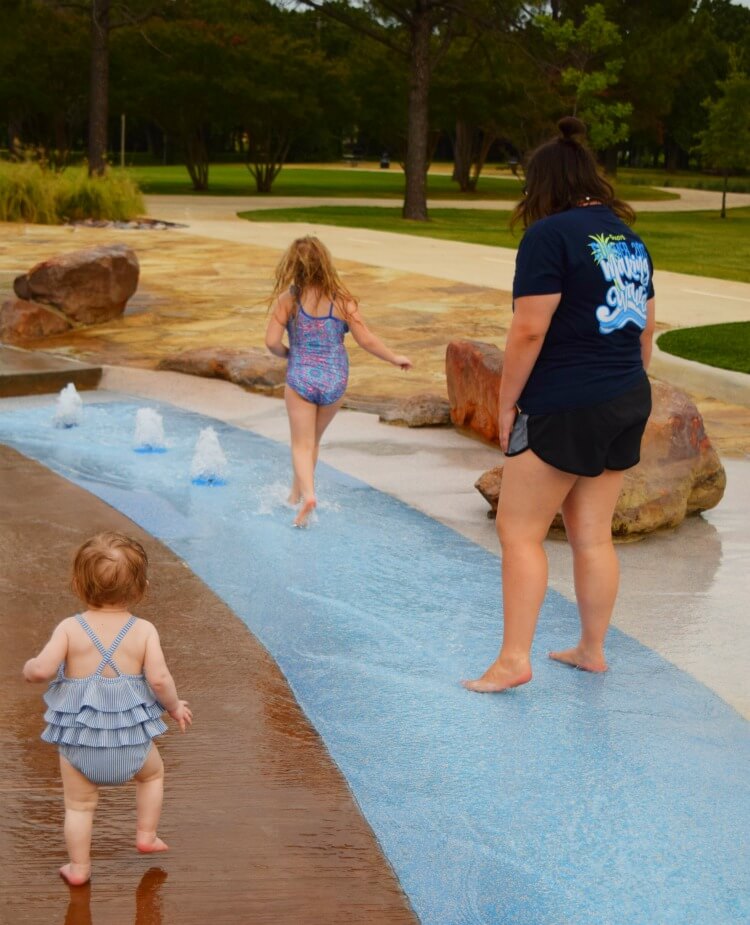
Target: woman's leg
x=81, y=797
x=587, y=512
x=530, y=495
x=302, y=423
x=149, y=793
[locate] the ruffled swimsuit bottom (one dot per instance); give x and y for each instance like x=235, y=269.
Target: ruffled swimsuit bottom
x=103, y=726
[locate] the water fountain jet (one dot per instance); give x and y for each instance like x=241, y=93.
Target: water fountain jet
x=69, y=408
x=209, y=464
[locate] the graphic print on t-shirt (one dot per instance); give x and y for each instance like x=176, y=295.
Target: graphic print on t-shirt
x=625, y=264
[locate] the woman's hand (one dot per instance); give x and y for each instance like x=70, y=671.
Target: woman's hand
x=505, y=422
x=403, y=362
x=182, y=715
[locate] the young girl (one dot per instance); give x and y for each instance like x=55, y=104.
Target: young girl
x=316, y=309
x=104, y=711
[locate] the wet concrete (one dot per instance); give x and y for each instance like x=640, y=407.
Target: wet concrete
x=261, y=824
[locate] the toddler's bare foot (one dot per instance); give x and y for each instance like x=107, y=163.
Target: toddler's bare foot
x=149, y=843
x=76, y=874
x=307, y=508
x=579, y=658
x=501, y=676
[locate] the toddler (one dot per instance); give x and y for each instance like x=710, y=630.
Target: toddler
x=104, y=711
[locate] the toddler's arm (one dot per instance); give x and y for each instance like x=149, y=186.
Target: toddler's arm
x=158, y=676
x=277, y=326
x=44, y=666
x=371, y=342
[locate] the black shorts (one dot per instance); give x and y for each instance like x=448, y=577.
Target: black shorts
x=588, y=440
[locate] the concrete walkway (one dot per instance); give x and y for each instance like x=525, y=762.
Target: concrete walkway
x=691, y=200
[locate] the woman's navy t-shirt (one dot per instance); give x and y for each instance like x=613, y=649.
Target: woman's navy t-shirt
x=592, y=350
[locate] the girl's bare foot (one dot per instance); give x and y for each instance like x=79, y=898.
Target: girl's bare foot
x=502, y=675
x=149, y=843
x=76, y=874
x=579, y=658
x=307, y=508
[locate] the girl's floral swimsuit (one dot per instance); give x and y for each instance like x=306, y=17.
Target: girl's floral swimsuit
x=318, y=367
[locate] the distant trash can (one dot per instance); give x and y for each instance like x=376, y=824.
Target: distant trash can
x=513, y=164
x=385, y=161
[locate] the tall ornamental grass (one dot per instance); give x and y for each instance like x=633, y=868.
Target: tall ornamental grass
x=31, y=193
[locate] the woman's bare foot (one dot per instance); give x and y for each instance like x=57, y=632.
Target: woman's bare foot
x=307, y=508
x=579, y=658
x=76, y=874
x=149, y=843
x=502, y=675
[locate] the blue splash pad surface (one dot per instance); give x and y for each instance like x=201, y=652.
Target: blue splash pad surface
x=618, y=800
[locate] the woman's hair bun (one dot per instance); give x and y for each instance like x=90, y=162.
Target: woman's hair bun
x=569, y=127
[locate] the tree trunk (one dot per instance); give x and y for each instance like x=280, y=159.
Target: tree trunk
x=463, y=154
x=724, y=195
x=415, y=199
x=609, y=160
x=196, y=157
x=98, y=87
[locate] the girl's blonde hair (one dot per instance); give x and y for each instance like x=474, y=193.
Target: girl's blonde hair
x=110, y=569
x=307, y=264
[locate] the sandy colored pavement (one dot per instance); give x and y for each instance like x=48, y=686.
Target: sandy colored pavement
x=211, y=290
x=261, y=824
x=683, y=300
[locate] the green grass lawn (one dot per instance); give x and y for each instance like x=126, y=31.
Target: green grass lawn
x=698, y=243
x=724, y=345
x=682, y=178
x=235, y=180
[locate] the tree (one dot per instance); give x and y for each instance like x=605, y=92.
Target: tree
x=421, y=31
x=587, y=72
x=725, y=143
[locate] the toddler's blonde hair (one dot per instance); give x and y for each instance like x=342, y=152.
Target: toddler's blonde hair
x=307, y=264
x=110, y=569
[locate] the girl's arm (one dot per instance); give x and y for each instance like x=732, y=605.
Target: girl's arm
x=44, y=666
x=161, y=681
x=531, y=319
x=647, y=337
x=277, y=325
x=371, y=342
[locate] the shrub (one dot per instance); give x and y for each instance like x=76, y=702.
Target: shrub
x=31, y=193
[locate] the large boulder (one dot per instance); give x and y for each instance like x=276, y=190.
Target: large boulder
x=473, y=371
x=89, y=286
x=679, y=473
x=22, y=320
x=249, y=367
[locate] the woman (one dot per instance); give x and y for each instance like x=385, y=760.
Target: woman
x=574, y=397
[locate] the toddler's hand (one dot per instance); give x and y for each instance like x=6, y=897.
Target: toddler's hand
x=403, y=362
x=182, y=715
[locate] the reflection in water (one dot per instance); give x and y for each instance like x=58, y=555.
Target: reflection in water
x=148, y=906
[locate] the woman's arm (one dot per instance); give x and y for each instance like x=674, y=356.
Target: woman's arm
x=531, y=320
x=277, y=325
x=647, y=337
x=371, y=342
x=44, y=666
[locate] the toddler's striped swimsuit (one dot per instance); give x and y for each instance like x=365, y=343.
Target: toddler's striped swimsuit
x=103, y=726
x=318, y=366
